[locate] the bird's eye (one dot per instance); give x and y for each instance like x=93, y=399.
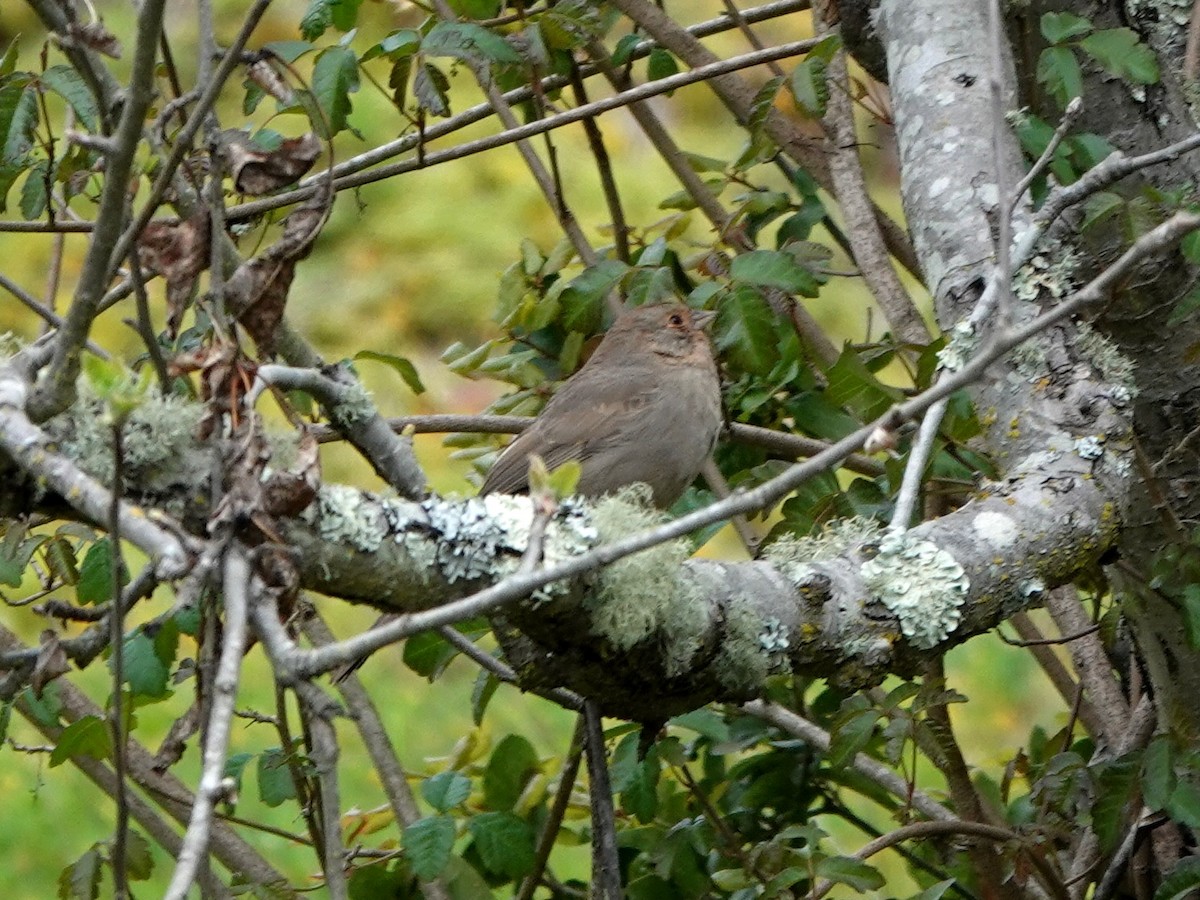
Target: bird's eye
x=676, y=319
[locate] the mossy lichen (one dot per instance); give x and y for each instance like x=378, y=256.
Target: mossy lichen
x=636, y=595
x=1114, y=366
x=742, y=664
x=346, y=515
x=791, y=555
x=920, y=583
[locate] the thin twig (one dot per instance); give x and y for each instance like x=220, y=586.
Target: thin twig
x=554, y=816
x=212, y=786
x=914, y=470
x=606, y=867
x=1072, y=113
x=117, y=643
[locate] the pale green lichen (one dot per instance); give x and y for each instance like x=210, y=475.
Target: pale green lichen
x=345, y=515
x=920, y=583
x=689, y=617
x=791, y=555
x=959, y=348
x=158, y=440
x=1047, y=275
x=742, y=664
x=1114, y=366
x=356, y=405
x=1029, y=358
x=635, y=596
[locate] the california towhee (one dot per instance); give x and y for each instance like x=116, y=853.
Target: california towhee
x=646, y=407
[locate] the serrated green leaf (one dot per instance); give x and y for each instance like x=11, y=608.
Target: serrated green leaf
x=1119, y=52
x=139, y=864
x=69, y=84
x=290, y=51
x=583, y=297
x=853, y=386
x=810, y=87
x=505, y=843
x=402, y=366
x=334, y=79
x=18, y=116
x=851, y=871
x=427, y=654
x=144, y=669
x=745, y=330
x=235, y=766
x=34, y=195
x=470, y=43
x=705, y=722
x=640, y=795
x=86, y=736
x=429, y=87
x=317, y=19
x=1158, y=773
x=773, y=268
x=400, y=44
x=446, y=790
x=46, y=709
x=661, y=64
x=1062, y=26
x=1183, y=881
x=95, y=574
x=1115, y=786
x=512, y=764
x=81, y=879
x=481, y=694
x=1058, y=70
x=427, y=843
x=15, y=552
x=623, y=52
x=851, y=736
x=936, y=891
x=275, y=785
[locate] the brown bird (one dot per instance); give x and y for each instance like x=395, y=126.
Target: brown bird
x=645, y=407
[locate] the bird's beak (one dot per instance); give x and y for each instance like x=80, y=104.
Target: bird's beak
x=702, y=318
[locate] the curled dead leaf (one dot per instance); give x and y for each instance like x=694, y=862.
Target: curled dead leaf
x=258, y=171
x=178, y=251
x=290, y=493
x=51, y=662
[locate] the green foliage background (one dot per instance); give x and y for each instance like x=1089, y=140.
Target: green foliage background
x=407, y=266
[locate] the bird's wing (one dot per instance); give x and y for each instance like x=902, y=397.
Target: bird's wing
x=566, y=430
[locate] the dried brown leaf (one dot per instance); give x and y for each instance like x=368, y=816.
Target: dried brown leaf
x=263, y=74
x=257, y=171
x=290, y=493
x=178, y=251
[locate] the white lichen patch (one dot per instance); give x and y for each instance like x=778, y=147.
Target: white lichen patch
x=356, y=404
x=345, y=515
x=959, y=348
x=920, y=583
x=1114, y=366
x=996, y=529
x=688, y=613
x=1046, y=275
x=1090, y=447
x=774, y=636
x=742, y=663
x=156, y=437
x=1030, y=358
x=635, y=596
x=791, y=555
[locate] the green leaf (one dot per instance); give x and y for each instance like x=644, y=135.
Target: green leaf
x=428, y=843
x=18, y=116
x=773, y=268
x=935, y=892
x=69, y=85
x=317, y=19
x=86, y=736
x=481, y=694
x=705, y=722
x=1184, y=806
x=1182, y=882
x=505, y=843
x=1115, y=786
x=854, y=872
x=399, y=44
x=1058, y=27
x=145, y=671
x=1100, y=207
x=6, y=707
x=344, y=14
x=235, y=766
x=853, y=386
x=34, y=196
x=59, y=556
x=810, y=86
x=623, y=52
x=275, y=785
x=1058, y=70
x=661, y=64
x=746, y=330
x=427, y=654
x=470, y=43
x=15, y=552
x=1158, y=773
x=512, y=764
x=851, y=736
x=81, y=879
x=583, y=298
x=334, y=79
x=476, y=9
x=402, y=366
x=1119, y=52
x=139, y=864
x=8, y=62
x=289, y=51
x=95, y=574
x=1191, y=614
x=46, y=709
x=446, y=790
x=429, y=86
x=640, y=796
